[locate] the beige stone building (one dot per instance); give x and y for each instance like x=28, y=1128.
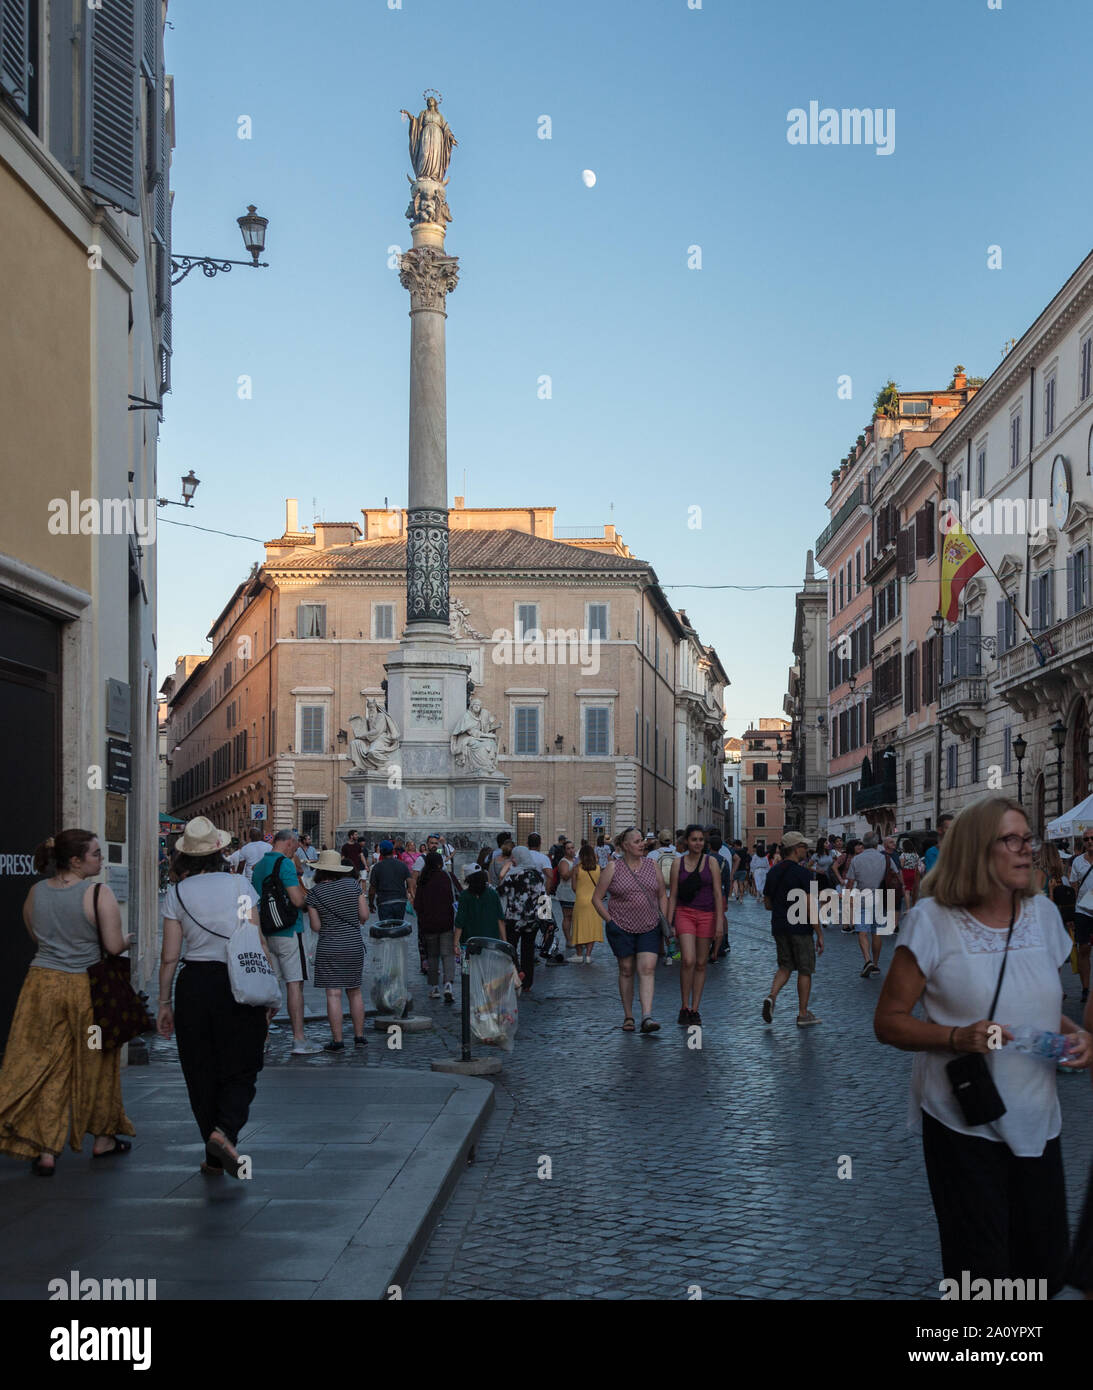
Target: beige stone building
x=573, y=647
x=85, y=141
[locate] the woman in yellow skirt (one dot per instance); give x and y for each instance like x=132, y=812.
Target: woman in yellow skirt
x=54, y=1083
x=587, y=923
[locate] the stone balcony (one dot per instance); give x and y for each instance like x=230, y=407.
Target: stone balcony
x=1028, y=682
x=809, y=784
x=962, y=705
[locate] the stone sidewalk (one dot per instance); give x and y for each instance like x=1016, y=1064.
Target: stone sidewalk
x=351, y=1169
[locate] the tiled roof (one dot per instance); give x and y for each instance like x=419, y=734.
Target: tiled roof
x=469, y=550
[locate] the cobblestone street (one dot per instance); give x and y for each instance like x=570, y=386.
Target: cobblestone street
x=718, y=1168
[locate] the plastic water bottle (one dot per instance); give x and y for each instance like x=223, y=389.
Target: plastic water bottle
x=1049, y=1047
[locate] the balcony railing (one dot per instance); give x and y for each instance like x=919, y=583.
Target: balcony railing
x=856, y=498
x=872, y=798
x=965, y=690
x=809, y=785
x=1066, y=639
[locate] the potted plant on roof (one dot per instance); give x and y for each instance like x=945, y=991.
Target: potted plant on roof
x=887, y=401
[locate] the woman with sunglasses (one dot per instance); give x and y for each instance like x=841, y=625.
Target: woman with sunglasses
x=638, y=902
x=1081, y=876
x=981, y=951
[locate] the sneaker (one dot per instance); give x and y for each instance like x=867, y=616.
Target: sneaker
x=332, y=1046
x=874, y=970
x=360, y=1042
x=684, y=1016
x=449, y=997
x=556, y=960
x=303, y=1048
x=696, y=1017
x=768, y=1009
x=434, y=993
x=808, y=1020
x=866, y=970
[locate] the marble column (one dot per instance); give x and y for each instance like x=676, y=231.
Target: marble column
x=429, y=275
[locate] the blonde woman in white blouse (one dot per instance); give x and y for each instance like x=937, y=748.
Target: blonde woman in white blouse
x=998, y=1189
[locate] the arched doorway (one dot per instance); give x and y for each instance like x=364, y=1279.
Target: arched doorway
x=1038, y=821
x=1080, y=753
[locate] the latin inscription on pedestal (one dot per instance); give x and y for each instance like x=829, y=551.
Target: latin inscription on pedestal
x=466, y=803
x=384, y=801
x=356, y=805
x=426, y=704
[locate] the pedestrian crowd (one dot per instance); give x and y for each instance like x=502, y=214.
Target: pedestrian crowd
x=983, y=918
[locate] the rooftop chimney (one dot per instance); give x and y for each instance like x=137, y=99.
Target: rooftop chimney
x=458, y=504
x=292, y=515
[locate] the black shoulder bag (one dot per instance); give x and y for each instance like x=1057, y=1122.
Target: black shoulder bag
x=970, y=1077
x=687, y=889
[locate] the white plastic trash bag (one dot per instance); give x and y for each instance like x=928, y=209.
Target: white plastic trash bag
x=493, y=980
x=390, y=991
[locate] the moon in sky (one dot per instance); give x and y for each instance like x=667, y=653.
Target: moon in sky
x=588, y=178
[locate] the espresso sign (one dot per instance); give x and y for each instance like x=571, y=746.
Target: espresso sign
x=426, y=704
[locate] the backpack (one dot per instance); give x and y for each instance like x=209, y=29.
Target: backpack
x=276, y=910
x=664, y=863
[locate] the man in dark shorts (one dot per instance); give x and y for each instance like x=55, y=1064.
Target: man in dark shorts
x=792, y=923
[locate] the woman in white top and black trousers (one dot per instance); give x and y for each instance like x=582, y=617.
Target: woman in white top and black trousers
x=982, y=951
x=220, y=1042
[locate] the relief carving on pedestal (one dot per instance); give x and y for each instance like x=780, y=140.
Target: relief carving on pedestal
x=427, y=565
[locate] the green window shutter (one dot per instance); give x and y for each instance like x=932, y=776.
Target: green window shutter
x=15, y=52
x=110, y=166
x=149, y=54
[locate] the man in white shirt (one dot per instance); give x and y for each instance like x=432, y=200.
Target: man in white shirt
x=252, y=853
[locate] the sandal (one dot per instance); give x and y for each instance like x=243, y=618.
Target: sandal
x=628, y=1024
x=650, y=1025
x=219, y=1148
x=121, y=1146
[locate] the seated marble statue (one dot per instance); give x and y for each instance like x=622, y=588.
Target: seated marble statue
x=375, y=738
x=474, y=739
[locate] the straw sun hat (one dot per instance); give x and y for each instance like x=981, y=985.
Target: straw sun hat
x=330, y=862
x=202, y=837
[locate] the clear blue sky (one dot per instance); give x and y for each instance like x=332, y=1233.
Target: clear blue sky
x=671, y=386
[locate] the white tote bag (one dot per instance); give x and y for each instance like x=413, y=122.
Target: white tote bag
x=251, y=975
x=249, y=972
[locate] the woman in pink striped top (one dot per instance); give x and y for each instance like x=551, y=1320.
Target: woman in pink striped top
x=638, y=902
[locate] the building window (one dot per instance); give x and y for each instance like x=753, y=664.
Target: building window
x=1007, y=750
x=842, y=590
x=312, y=729
x=760, y=796
x=832, y=598
x=597, y=822
x=1042, y=604
x=309, y=815
x=311, y=620
x=1077, y=581
x=975, y=759
x=1049, y=405
x=951, y=754
x=1086, y=366
x=981, y=471
x=857, y=571
x=759, y=772
x=597, y=727
x=527, y=621
x=908, y=777
x=760, y=820
x=868, y=555
x=526, y=730
x=928, y=772
x=525, y=815
x=383, y=622
x=596, y=619
x=1015, y=439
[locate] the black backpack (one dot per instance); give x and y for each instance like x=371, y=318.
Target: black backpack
x=276, y=910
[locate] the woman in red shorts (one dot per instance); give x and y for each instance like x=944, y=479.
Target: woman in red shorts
x=696, y=910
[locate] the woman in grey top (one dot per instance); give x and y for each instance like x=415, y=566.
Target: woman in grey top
x=55, y=1080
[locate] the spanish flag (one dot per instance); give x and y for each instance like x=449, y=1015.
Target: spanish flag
x=959, y=561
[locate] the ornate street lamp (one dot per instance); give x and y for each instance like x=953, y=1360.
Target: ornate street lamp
x=189, y=487
x=252, y=227
x=1020, y=748
x=1058, y=735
